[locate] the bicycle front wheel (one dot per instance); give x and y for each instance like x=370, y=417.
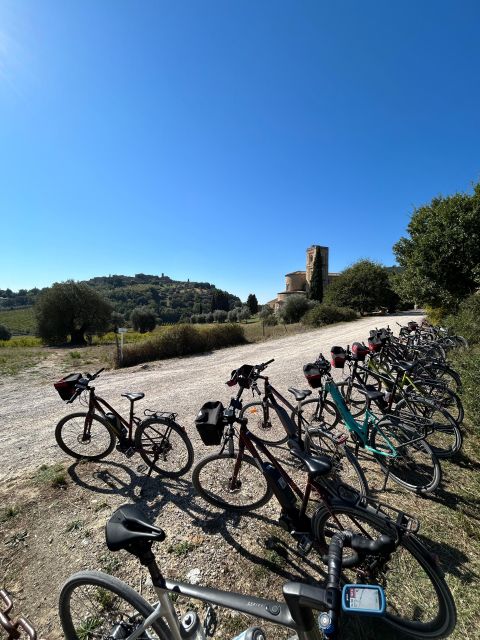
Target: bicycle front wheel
x=80, y=440
x=231, y=482
x=321, y=417
x=96, y=605
x=264, y=423
x=415, y=467
x=164, y=446
x=418, y=599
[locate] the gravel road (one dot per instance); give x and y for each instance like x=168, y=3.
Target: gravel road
x=31, y=408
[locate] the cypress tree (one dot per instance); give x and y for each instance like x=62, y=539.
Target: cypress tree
x=316, y=283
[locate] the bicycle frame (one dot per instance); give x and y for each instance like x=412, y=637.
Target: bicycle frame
x=95, y=403
x=362, y=431
x=302, y=621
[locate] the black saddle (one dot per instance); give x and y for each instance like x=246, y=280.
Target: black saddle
x=133, y=396
x=370, y=392
x=402, y=365
x=129, y=529
x=316, y=465
x=300, y=394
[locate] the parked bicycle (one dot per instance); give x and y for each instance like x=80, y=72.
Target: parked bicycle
x=130, y=616
x=104, y=607
x=266, y=417
x=162, y=443
x=239, y=482
x=422, y=404
x=395, y=444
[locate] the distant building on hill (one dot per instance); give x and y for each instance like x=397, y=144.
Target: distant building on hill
x=298, y=282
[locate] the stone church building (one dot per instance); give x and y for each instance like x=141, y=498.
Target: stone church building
x=298, y=282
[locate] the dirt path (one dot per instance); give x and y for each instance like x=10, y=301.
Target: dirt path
x=30, y=409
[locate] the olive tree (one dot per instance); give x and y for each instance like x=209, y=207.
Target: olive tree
x=71, y=309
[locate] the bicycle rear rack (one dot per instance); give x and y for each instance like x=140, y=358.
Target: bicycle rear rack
x=162, y=415
x=403, y=520
x=14, y=628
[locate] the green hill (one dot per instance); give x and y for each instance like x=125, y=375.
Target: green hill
x=171, y=300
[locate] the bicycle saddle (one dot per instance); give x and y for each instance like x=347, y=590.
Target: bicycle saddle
x=128, y=527
x=371, y=393
x=402, y=365
x=133, y=396
x=300, y=394
x=316, y=465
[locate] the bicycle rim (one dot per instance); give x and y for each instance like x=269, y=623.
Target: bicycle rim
x=418, y=599
x=416, y=467
x=213, y=479
x=264, y=423
x=164, y=446
x=97, y=606
x=73, y=438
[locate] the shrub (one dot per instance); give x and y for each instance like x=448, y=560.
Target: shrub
x=435, y=315
x=232, y=315
x=294, y=308
x=466, y=322
x=267, y=316
x=220, y=316
x=143, y=319
x=182, y=340
x=4, y=333
x=323, y=314
x=467, y=363
x=244, y=314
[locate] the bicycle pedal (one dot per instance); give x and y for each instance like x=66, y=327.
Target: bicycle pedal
x=304, y=545
x=129, y=452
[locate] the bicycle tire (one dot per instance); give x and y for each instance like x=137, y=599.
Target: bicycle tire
x=414, y=458
x=242, y=498
x=264, y=423
x=167, y=459
x=441, y=395
x=345, y=466
x=443, y=373
x=93, y=587
x=411, y=559
x=70, y=429
x=447, y=439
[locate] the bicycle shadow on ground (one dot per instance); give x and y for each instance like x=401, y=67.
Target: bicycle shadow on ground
x=151, y=493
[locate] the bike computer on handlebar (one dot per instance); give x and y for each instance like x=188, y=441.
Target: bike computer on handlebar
x=363, y=598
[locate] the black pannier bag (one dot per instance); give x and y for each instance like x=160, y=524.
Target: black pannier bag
x=339, y=356
x=209, y=423
x=359, y=351
x=412, y=325
x=313, y=374
x=66, y=386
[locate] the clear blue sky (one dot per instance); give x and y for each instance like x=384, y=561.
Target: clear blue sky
x=217, y=140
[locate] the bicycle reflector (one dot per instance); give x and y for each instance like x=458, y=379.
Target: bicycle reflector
x=367, y=599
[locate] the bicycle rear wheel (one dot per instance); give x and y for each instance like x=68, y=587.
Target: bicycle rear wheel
x=418, y=599
x=416, y=466
x=321, y=417
x=217, y=480
x=164, y=446
x=264, y=423
x=80, y=440
x=96, y=605
x=445, y=438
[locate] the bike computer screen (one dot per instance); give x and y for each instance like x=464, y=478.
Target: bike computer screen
x=363, y=598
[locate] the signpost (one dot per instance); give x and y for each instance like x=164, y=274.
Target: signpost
x=121, y=331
